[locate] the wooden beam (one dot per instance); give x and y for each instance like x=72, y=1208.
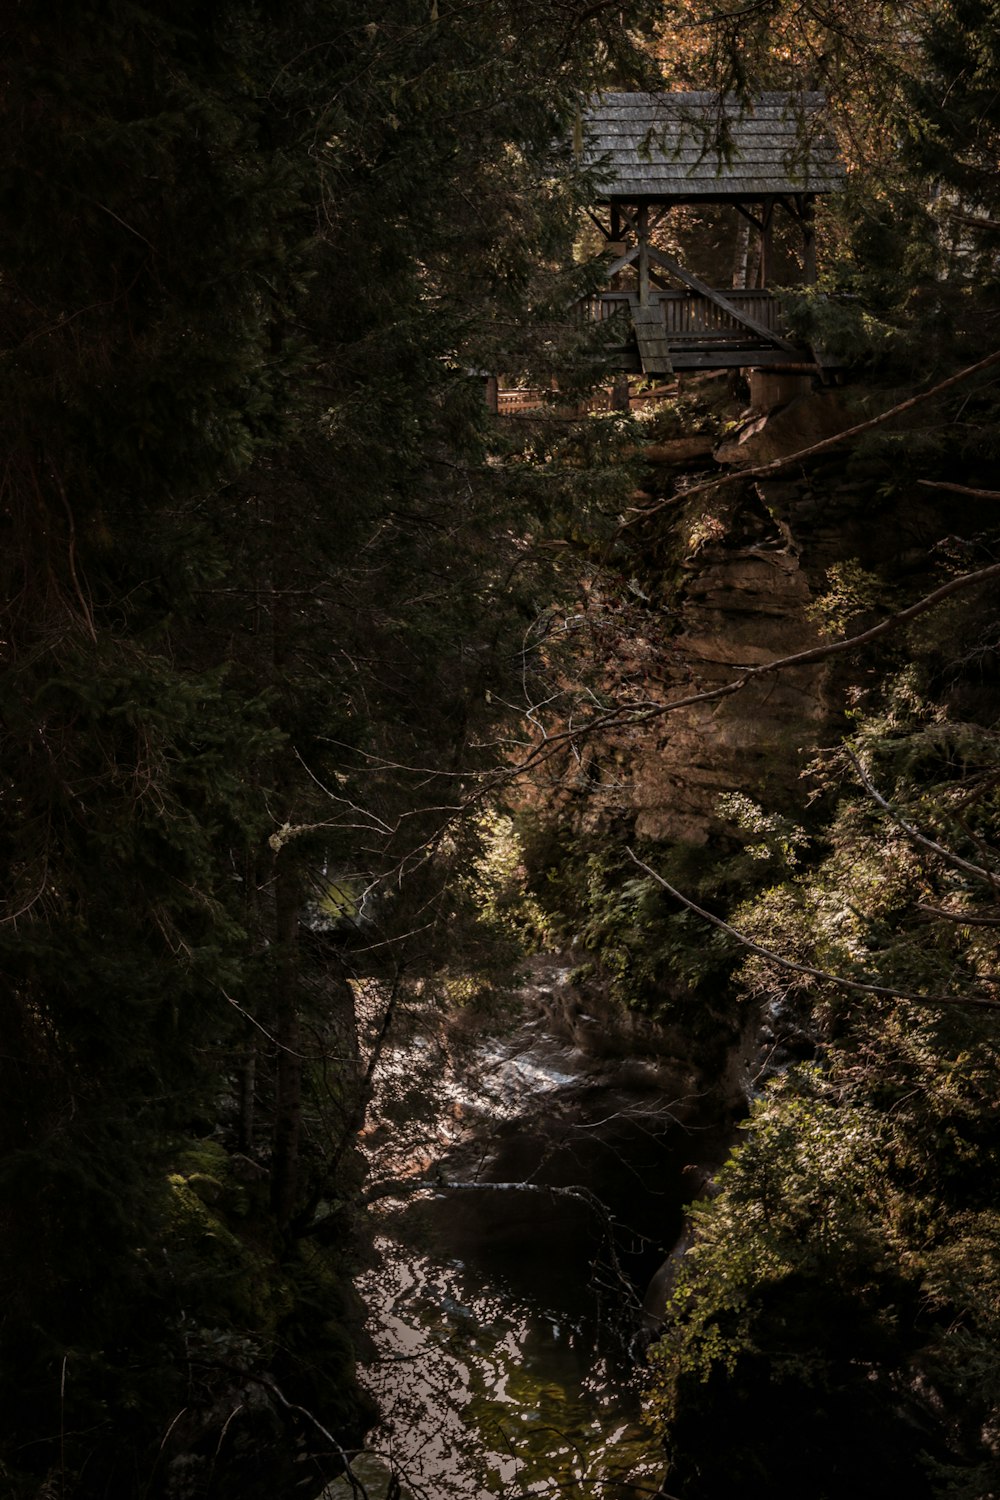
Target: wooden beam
x=623, y=261
x=742, y=209
x=802, y=208
x=738, y=359
x=744, y=319
x=643, y=255
x=605, y=230
x=809, y=239
x=799, y=205
x=619, y=393
x=627, y=215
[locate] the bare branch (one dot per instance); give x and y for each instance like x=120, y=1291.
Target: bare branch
x=759, y=470
x=983, y=1002
x=402, y=1187
x=635, y=716
x=974, y=221
x=948, y=855
x=959, y=489
x=302, y=1056
x=619, y=716
x=357, y=1487
x=963, y=918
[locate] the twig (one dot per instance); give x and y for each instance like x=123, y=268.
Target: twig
x=983, y=1002
x=62, y=1428
x=357, y=1486
x=302, y=1056
x=963, y=918
x=948, y=855
x=159, y=1452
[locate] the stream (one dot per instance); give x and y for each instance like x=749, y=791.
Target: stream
x=519, y=1218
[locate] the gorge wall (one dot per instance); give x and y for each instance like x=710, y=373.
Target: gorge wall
x=749, y=571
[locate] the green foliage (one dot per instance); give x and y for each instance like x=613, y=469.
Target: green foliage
x=496, y=883
x=842, y=327
x=802, y=1197
x=776, y=839
x=655, y=959
x=793, y=1293
x=258, y=575
x=685, y=414
x=854, y=1227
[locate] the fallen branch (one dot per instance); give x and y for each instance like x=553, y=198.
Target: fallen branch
x=776, y=464
x=357, y=1487
x=974, y=221
x=959, y=489
x=982, y=1002
x=401, y=1187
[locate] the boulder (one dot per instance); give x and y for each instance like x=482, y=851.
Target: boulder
x=777, y=434
x=680, y=450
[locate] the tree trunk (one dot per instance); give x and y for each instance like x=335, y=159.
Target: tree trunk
x=741, y=253
x=287, y=1029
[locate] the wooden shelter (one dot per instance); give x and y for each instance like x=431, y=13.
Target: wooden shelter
x=656, y=152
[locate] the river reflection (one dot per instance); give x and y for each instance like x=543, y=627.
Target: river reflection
x=523, y=1194
x=487, y=1393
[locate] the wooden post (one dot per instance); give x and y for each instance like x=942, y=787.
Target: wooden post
x=493, y=393
x=619, y=394
x=643, y=228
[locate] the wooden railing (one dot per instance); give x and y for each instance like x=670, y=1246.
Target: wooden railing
x=515, y=400
x=689, y=315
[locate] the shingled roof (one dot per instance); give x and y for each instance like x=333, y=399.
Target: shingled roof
x=663, y=147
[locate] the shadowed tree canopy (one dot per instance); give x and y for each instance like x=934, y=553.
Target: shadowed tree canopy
x=253, y=261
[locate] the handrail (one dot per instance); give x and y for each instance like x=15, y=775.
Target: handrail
x=689, y=314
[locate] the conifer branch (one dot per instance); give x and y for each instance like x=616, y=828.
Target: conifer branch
x=948, y=855
x=982, y=1002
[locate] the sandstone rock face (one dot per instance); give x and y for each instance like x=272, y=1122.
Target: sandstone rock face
x=806, y=420
x=747, y=595
x=742, y=568
x=681, y=450
x=742, y=606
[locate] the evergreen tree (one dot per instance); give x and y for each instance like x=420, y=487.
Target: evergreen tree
x=253, y=261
